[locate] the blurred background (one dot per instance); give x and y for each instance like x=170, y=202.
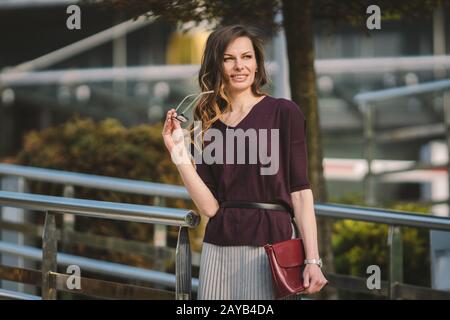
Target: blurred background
x=92, y=101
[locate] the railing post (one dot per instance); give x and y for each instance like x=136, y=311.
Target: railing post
x=160, y=230
x=395, y=259
x=446, y=108
x=160, y=237
x=49, y=251
x=68, y=220
x=369, y=145
x=183, y=284
x=18, y=216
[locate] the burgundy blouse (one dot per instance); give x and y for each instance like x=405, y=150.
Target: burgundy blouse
x=257, y=227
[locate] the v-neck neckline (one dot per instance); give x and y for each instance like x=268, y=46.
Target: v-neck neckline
x=245, y=117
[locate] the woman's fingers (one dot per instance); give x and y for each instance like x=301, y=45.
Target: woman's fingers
x=314, y=281
x=168, y=124
x=317, y=285
x=313, y=287
x=176, y=123
x=306, y=283
x=168, y=129
x=306, y=280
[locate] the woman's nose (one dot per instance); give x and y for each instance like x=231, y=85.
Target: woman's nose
x=239, y=65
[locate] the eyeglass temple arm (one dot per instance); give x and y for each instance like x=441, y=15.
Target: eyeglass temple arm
x=196, y=99
x=188, y=96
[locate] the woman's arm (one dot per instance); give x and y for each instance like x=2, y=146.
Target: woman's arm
x=303, y=203
x=201, y=195
x=197, y=189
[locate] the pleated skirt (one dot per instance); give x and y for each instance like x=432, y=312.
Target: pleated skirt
x=235, y=273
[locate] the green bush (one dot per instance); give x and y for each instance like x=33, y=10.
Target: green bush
x=356, y=245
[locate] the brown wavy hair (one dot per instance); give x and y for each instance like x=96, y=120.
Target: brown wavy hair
x=211, y=75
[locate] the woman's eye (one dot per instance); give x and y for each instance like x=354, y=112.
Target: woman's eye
x=247, y=57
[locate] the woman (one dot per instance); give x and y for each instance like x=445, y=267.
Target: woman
x=237, y=196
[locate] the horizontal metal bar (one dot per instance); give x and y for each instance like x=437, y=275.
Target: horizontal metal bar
x=22, y=275
x=25, y=228
x=414, y=166
x=92, y=265
x=389, y=217
x=404, y=91
x=355, y=284
x=167, y=72
x=410, y=133
x=101, y=209
x=93, y=75
x=23, y=4
x=144, y=249
x=13, y=295
x=407, y=291
x=111, y=290
x=381, y=65
x=403, y=291
x=95, y=181
x=90, y=287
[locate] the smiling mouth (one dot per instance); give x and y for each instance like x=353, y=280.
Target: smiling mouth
x=239, y=77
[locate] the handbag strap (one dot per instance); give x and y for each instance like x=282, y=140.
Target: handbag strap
x=295, y=224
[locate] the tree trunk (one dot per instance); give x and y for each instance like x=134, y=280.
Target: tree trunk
x=298, y=26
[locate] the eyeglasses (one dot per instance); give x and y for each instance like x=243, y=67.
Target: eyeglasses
x=182, y=117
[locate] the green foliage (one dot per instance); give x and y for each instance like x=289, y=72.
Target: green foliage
x=107, y=148
x=262, y=13
x=259, y=13
x=356, y=245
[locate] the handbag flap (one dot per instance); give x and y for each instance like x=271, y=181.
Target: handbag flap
x=289, y=253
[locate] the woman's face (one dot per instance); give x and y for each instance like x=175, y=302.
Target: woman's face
x=239, y=63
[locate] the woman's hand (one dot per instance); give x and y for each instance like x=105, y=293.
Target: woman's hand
x=313, y=279
x=170, y=125
x=174, y=139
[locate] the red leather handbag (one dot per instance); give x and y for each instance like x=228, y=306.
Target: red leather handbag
x=286, y=260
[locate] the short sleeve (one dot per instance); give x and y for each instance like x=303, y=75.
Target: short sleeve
x=205, y=173
x=298, y=151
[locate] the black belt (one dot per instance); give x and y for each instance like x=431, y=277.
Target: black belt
x=255, y=205
x=260, y=205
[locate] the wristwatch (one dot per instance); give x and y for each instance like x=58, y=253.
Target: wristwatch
x=314, y=261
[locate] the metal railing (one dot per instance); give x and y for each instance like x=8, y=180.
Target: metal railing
x=394, y=288
x=94, y=181
x=395, y=220
x=171, y=72
x=367, y=104
x=53, y=281
x=71, y=179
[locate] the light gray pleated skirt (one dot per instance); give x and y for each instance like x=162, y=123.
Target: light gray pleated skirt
x=235, y=273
